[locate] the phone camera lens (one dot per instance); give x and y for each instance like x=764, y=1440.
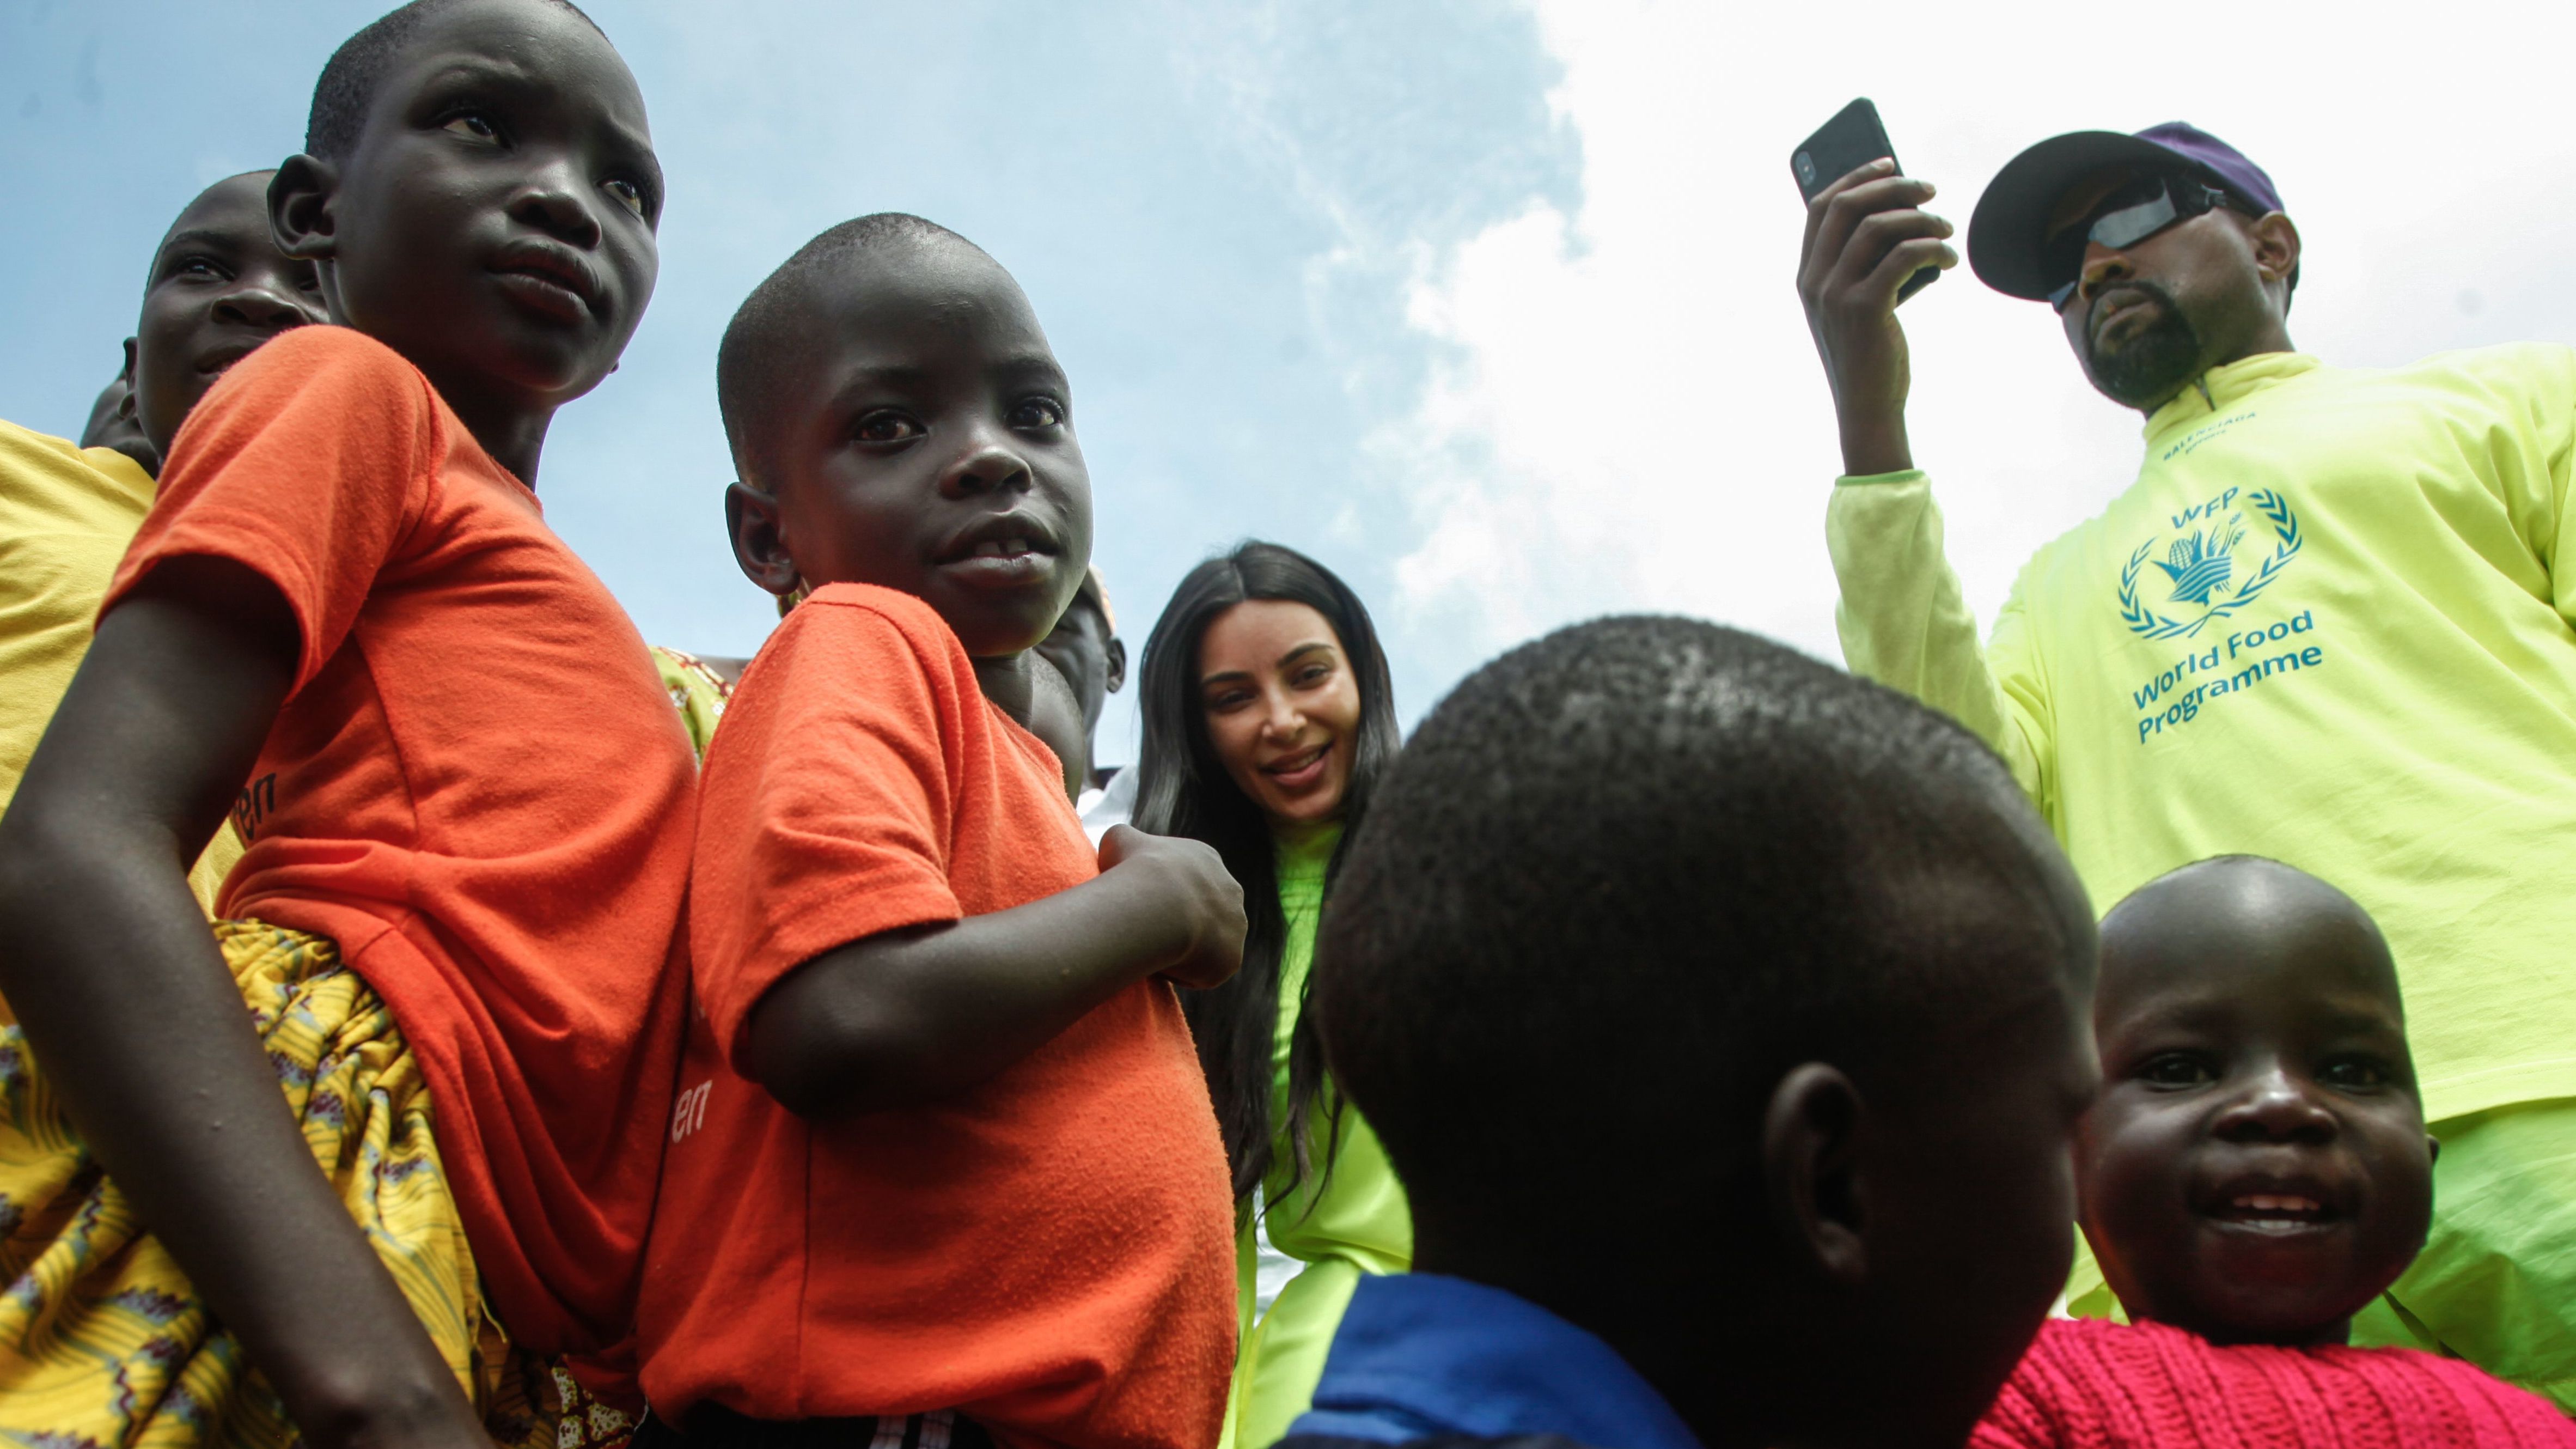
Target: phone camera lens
x=1806, y=165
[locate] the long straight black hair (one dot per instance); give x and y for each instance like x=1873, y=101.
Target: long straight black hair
x=1183, y=789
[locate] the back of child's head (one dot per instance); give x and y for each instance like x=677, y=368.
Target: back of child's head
x=2256, y=1169
x=898, y=418
x=112, y=423
x=1731, y=1007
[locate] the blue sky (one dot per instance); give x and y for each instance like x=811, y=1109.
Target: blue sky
x=1487, y=304
x=1214, y=212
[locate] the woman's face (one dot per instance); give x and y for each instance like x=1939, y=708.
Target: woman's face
x=1282, y=708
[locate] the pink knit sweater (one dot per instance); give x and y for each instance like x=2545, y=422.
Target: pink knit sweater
x=2091, y=1384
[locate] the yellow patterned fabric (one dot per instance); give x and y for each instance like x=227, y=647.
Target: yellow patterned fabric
x=103, y=1342
x=697, y=692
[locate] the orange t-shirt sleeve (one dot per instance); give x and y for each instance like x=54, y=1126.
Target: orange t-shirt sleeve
x=307, y=463
x=828, y=802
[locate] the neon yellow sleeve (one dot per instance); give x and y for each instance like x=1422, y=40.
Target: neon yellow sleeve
x=1905, y=623
x=2554, y=519
x=2540, y=380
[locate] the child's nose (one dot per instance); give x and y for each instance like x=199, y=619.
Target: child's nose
x=983, y=469
x=264, y=307
x=2276, y=1107
x=551, y=199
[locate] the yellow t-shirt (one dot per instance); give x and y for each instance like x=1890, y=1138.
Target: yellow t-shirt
x=2330, y=623
x=66, y=516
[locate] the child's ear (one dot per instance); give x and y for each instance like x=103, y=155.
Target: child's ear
x=759, y=546
x=300, y=201
x=1811, y=1169
x=2432, y=1148
x=125, y=404
x=1117, y=655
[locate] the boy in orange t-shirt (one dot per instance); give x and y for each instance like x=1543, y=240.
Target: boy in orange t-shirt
x=942, y=1159
x=465, y=802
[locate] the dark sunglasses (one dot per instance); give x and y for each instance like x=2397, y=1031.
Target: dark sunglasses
x=2126, y=217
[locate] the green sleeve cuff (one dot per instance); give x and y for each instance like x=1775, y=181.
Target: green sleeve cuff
x=1848, y=480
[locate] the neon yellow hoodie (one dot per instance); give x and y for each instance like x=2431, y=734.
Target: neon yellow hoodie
x=2330, y=624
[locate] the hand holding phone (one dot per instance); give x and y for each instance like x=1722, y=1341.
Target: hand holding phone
x=1852, y=139
x=1869, y=245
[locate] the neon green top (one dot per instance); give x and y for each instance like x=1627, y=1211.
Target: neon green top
x=2329, y=623
x=1342, y=1224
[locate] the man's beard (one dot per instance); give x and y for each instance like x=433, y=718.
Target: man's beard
x=2155, y=361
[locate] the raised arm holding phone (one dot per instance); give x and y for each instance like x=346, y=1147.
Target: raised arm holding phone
x=2330, y=623
x=1866, y=234
x=1870, y=246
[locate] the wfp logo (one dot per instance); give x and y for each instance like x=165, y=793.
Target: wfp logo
x=2197, y=579
x=2202, y=560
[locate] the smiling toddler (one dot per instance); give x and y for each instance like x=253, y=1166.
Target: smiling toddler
x=2254, y=1173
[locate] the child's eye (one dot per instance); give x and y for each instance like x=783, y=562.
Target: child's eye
x=2354, y=1074
x=472, y=123
x=629, y=195
x=200, y=267
x=1038, y=412
x=887, y=428
x=308, y=278
x=2175, y=1069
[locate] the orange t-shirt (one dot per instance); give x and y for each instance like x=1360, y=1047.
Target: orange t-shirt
x=1052, y=1251
x=476, y=787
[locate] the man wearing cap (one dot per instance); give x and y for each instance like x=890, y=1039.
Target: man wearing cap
x=2329, y=623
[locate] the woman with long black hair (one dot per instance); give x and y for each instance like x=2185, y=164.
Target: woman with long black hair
x=1268, y=720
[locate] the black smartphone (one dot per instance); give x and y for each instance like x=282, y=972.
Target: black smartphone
x=1853, y=138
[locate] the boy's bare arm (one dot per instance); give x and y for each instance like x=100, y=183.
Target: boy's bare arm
x=135, y=1018
x=909, y=1017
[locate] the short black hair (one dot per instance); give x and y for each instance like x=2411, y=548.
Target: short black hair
x=347, y=89
x=1621, y=881
x=757, y=350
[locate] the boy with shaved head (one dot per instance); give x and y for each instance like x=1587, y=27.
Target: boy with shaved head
x=944, y=1171
x=2333, y=621
x=380, y=1148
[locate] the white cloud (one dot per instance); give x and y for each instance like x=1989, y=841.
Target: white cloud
x=1627, y=411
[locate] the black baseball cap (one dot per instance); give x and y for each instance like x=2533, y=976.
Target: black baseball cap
x=2007, y=234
